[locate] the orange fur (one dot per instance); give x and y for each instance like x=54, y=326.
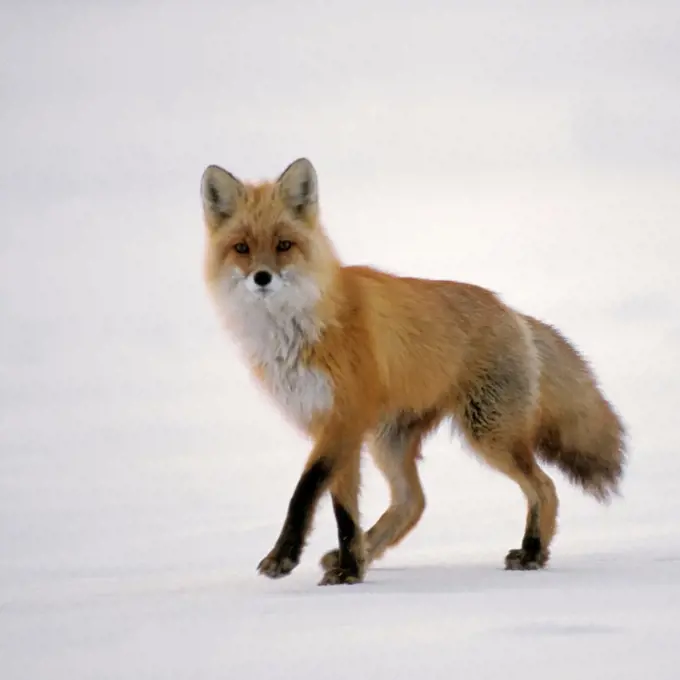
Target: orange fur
x=358, y=355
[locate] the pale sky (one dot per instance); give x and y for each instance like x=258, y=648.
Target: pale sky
x=531, y=147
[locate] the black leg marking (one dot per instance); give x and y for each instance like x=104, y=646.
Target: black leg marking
x=531, y=543
x=531, y=555
x=342, y=557
x=531, y=546
x=302, y=504
x=347, y=534
x=346, y=568
x=286, y=553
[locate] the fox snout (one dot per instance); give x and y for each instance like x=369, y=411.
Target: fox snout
x=263, y=282
x=262, y=278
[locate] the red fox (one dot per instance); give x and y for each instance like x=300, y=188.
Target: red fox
x=355, y=356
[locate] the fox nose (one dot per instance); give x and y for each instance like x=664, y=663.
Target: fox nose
x=262, y=278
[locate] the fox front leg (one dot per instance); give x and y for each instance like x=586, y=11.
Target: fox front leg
x=285, y=555
x=334, y=464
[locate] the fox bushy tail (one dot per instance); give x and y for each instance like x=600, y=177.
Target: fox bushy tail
x=578, y=430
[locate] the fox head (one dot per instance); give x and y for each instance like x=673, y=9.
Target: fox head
x=265, y=245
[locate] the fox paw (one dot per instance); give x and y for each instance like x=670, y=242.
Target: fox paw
x=330, y=560
x=276, y=566
x=339, y=576
x=525, y=560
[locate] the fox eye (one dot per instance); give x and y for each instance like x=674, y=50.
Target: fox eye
x=242, y=248
x=283, y=246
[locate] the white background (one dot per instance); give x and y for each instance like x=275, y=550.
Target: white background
x=530, y=147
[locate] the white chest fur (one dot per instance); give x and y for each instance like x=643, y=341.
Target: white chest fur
x=301, y=391
x=274, y=336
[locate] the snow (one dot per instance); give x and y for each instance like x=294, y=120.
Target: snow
x=532, y=149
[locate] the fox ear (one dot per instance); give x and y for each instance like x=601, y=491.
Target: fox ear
x=220, y=191
x=299, y=186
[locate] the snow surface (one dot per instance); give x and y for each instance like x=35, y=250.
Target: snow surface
x=529, y=147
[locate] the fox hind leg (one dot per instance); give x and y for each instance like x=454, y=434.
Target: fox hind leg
x=496, y=414
x=540, y=524
x=518, y=463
